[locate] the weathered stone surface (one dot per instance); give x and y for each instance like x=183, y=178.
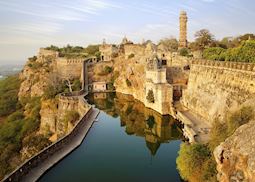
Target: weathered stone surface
x=235, y=157
x=214, y=91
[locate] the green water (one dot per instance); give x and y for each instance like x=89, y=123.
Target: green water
x=128, y=143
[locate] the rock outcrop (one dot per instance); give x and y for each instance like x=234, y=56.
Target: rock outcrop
x=36, y=76
x=133, y=71
x=235, y=157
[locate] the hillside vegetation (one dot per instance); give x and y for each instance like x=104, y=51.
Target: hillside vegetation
x=21, y=123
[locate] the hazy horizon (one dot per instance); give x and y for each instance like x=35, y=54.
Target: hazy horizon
x=28, y=25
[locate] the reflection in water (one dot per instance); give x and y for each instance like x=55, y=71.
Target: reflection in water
x=137, y=119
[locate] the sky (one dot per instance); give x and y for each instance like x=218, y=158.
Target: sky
x=27, y=25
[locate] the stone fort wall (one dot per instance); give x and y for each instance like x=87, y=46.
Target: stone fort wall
x=69, y=68
x=215, y=87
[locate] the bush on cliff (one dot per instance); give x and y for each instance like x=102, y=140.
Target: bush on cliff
x=9, y=89
x=221, y=131
x=131, y=56
x=105, y=71
x=128, y=82
x=184, y=52
x=150, y=97
x=195, y=163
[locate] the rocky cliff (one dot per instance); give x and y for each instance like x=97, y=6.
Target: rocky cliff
x=36, y=76
x=235, y=157
x=131, y=76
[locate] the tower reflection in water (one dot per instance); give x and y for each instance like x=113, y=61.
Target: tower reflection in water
x=137, y=119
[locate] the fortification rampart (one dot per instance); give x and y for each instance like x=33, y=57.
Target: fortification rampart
x=43, y=54
x=215, y=88
x=225, y=64
x=57, y=146
x=69, y=68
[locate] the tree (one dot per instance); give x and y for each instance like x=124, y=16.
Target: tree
x=9, y=89
x=204, y=38
x=171, y=44
x=214, y=53
x=243, y=53
x=92, y=50
x=184, y=52
x=195, y=163
x=150, y=96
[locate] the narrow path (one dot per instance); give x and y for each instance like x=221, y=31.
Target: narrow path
x=76, y=141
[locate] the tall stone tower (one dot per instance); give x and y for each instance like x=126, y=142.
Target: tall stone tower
x=183, y=29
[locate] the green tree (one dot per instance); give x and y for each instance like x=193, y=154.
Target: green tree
x=214, y=53
x=150, y=96
x=243, y=53
x=171, y=44
x=195, y=163
x=9, y=88
x=92, y=50
x=184, y=52
x=220, y=131
x=203, y=38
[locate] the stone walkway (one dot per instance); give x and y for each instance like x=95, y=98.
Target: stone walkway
x=199, y=125
x=38, y=171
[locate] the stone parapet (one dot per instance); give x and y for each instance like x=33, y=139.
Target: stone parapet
x=225, y=64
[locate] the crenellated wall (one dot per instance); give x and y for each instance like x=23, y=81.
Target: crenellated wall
x=69, y=68
x=214, y=88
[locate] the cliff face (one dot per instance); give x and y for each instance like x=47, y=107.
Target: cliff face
x=235, y=157
x=53, y=116
x=214, y=91
x=131, y=79
x=36, y=76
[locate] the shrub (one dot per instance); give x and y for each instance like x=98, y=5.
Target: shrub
x=214, y=53
x=32, y=59
x=76, y=85
x=184, y=52
x=150, y=96
x=131, y=56
x=220, y=131
x=128, y=82
x=238, y=118
x=92, y=50
x=110, y=86
x=195, y=163
x=108, y=69
x=217, y=135
x=9, y=88
x=116, y=74
x=71, y=116
x=35, y=65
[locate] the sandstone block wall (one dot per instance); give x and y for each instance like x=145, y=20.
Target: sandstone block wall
x=69, y=68
x=163, y=96
x=214, y=88
x=157, y=76
x=43, y=54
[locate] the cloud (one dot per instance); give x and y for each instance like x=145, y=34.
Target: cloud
x=32, y=27
x=76, y=10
